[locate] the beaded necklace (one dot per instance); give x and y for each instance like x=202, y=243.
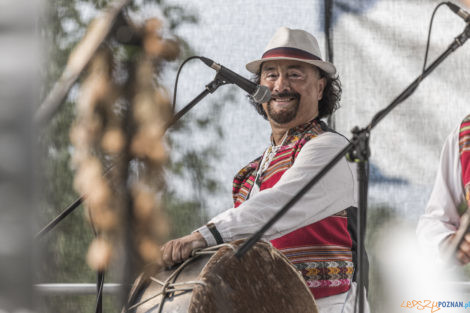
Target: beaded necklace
x=268, y=156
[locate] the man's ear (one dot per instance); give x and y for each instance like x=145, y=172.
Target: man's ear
x=321, y=87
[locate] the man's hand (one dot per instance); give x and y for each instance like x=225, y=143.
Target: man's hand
x=463, y=253
x=178, y=250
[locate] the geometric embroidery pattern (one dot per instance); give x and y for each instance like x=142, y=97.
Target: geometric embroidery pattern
x=464, y=150
x=323, y=266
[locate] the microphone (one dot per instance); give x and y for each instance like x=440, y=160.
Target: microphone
x=259, y=93
x=459, y=11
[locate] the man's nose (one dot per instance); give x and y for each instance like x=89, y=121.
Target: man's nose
x=282, y=84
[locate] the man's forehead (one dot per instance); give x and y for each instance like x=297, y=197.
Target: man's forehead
x=274, y=64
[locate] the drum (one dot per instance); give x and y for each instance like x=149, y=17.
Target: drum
x=215, y=280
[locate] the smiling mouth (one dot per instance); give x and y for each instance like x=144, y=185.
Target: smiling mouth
x=284, y=99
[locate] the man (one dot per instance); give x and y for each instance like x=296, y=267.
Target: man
x=318, y=233
x=450, y=197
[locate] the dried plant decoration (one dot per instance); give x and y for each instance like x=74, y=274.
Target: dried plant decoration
x=99, y=254
x=124, y=124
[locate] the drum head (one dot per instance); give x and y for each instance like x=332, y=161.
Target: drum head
x=262, y=281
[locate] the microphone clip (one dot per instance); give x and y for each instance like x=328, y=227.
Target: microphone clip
x=216, y=83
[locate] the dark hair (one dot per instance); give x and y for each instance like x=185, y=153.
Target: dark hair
x=328, y=103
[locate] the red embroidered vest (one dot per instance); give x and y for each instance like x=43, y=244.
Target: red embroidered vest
x=323, y=251
x=464, y=149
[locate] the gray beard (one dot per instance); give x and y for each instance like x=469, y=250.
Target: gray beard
x=284, y=116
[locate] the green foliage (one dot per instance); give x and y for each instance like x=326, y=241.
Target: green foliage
x=183, y=213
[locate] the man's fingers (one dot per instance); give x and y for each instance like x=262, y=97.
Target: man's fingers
x=176, y=252
x=464, y=250
x=167, y=253
x=467, y=238
x=186, y=251
x=463, y=255
x=465, y=247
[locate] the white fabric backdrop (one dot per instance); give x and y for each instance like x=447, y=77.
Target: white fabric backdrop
x=378, y=50
x=379, y=54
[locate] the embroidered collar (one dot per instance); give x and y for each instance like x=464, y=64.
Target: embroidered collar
x=303, y=127
x=297, y=130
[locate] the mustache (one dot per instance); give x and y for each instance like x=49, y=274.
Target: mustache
x=285, y=95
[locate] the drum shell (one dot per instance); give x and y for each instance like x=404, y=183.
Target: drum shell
x=176, y=302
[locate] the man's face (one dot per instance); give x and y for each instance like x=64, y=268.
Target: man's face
x=296, y=88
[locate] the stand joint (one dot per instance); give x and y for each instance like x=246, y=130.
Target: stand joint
x=216, y=83
x=360, y=150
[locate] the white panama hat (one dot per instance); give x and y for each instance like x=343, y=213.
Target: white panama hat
x=292, y=44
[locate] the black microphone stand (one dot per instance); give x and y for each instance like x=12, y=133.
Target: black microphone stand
x=210, y=88
x=358, y=151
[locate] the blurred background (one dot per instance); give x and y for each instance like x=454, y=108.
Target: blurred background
x=378, y=48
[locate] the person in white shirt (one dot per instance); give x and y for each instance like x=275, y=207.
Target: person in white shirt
x=318, y=234
x=438, y=225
